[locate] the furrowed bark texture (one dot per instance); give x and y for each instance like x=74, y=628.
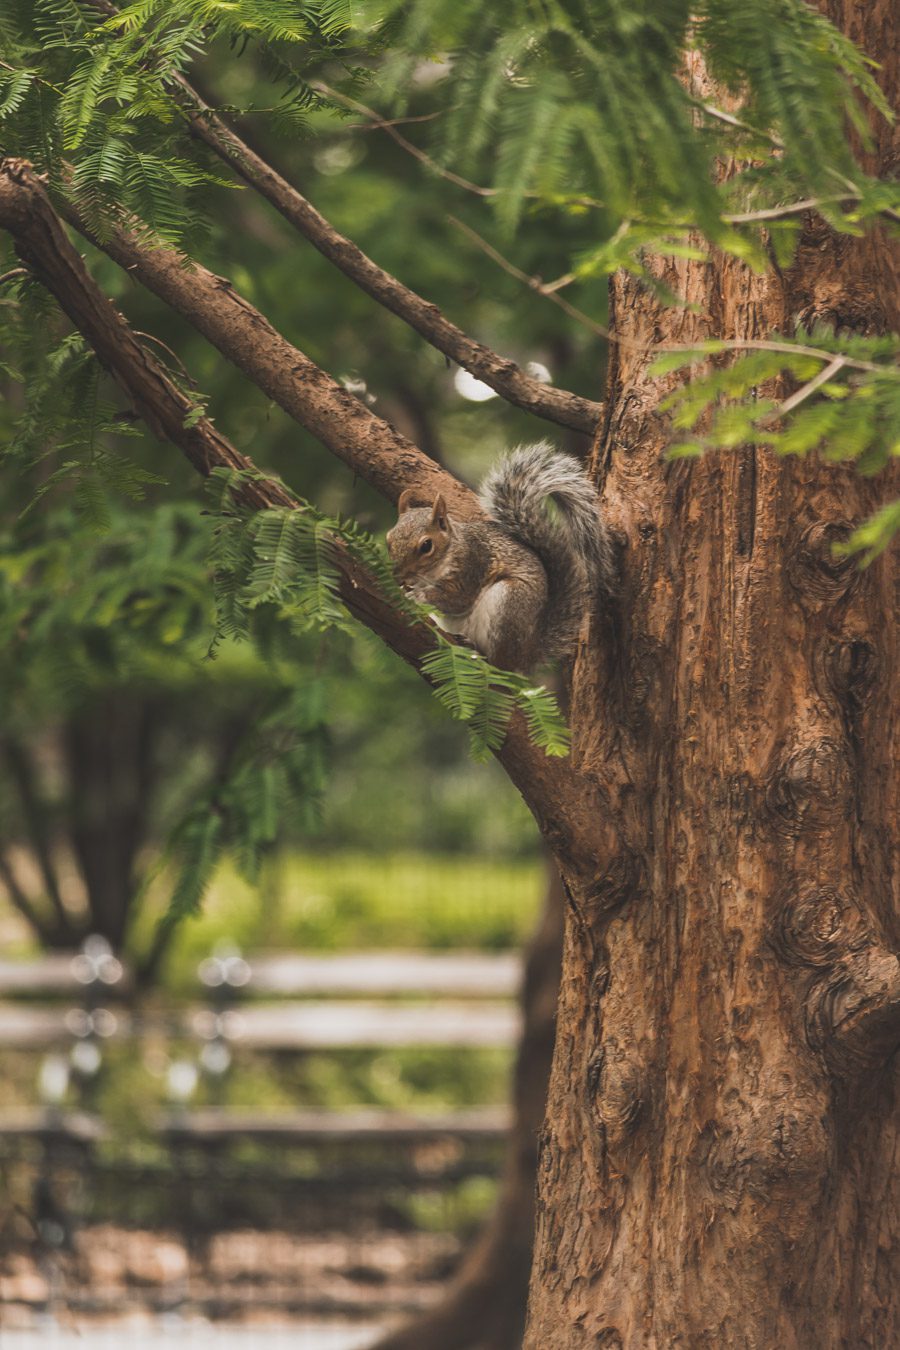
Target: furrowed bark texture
x=719, y=1161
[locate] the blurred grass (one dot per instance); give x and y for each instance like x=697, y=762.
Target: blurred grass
x=354, y=901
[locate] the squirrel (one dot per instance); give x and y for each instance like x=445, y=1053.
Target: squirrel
x=515, y=586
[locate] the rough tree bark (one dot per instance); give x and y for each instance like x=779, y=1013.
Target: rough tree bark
x=719, y=1160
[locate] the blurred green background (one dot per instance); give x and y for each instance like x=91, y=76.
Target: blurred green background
x=114, y=725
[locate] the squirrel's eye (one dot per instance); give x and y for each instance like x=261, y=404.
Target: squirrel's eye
x=426, y=546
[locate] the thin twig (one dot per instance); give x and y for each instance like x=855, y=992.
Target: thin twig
x=722, y=116
x=799, y=208
x=739, y=218
x=805, y=391
x=764, y=345
x=385, y=123
x=550, y=287
x=734, y=344
x=533, y=283
x=174, y=355
x=39, y=78
x=380, y=124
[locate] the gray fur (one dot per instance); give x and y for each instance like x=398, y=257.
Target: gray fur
x=518, y=585
x=574, y=545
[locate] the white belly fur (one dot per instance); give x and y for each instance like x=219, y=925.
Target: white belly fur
x=478, y=624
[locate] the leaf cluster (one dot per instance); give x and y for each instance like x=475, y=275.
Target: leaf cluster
x=840, y=399
x=585, y=106
x=88, y=92
x=273, y=779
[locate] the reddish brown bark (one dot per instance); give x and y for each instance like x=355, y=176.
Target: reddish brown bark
x=718, y=1166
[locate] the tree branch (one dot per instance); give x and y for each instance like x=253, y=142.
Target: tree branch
x=566, y=805
x=20, y=901
x=534, y=283
x=503, y=376
x=365, y=442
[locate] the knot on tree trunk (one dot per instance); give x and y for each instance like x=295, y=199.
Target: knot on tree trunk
x=764, y=1145
x=849, y=671
x=827, y=287
x=819, y=927
x=641, y=678
x=852, y=1005
x=853, y=1012
x=616, y=1094
x=809, y=786
x=819, y=576
x=621, y=881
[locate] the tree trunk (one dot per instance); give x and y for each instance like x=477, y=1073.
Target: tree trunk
x=718, y=1164
x=108, y=753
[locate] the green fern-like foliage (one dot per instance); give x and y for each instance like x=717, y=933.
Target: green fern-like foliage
x=283, y=560
x=68, y=415
x=84, y=610
x=874, y=535
x=839, y=397
x=485, y=698
x=585, y=107
x=272, y=781
x=91, y=96
x=577, y=107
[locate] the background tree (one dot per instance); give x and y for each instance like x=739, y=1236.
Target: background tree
x=722, y=1094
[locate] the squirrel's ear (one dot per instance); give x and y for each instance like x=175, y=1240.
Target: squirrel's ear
x=439, y=512
x=408, y=499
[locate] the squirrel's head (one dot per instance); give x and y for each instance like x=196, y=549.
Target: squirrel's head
x=419, y=541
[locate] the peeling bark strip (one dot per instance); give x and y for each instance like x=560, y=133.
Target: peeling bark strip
x=718, y=1168
x=563, y=803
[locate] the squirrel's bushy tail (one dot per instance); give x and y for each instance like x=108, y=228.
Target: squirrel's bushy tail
x=543, y=498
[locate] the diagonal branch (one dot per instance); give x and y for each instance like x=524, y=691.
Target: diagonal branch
x=210, y=303
x=567, y=806
x=503, y=376
x=22, y=772
x=20, y=901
